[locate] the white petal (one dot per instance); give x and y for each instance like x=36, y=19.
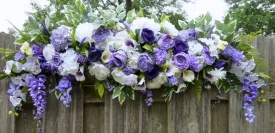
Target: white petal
x=15, y=101
x=188, y=76
x=17, y=93
x=8, y=67
x=141, y=85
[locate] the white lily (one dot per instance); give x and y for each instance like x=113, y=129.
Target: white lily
x=188, y=75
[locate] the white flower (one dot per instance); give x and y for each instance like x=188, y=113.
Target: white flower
x=79, y=76
x=169, y=28
x=141, y=23
x=141, y=85
x=69, y=64
x=220, y=43
x=98, y=70
x=214, y=51
x=18, y=67
x=19, y=94
x=17, y=80
x=106, y=56
x=249, y=65
x=25, y=48
x=237, y=70
x=132, y=59
x=8, y=67
x=216, y=75
x=15, y=101
x=85, y=30
x=124, y=79
x=194, y=47
x=188, y=75
x=172, y=70
x=48, y=52
x=157, y=82
x=32, y=65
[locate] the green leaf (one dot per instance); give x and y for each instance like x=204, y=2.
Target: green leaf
x=198, y=88
x=182, y=24
x=100, y=90
x=129, y=92
x=25, y=89
x=20, y=41
x=164, y=18
x=7, y=51
x=263, y=75
x=57, y=94
x=137, y=31
x=4, y=76
x=34, y=24
x=116, y=92
x=19, y=31
x=155, y=17
x=122, y=98
x=148, y=47
x=208, y=17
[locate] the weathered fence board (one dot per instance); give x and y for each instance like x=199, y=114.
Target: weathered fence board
x=184, y=114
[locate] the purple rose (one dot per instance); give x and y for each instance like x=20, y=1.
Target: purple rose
x=166, y=42
x=94, y=54
x=19, y=56
x=161, y=57
x=37, y=51
x=153, y=72
x=119, y=59
x=101, y=34
x=128, y=70
x=181, y=60
x=180, y=46
x=147, y=35
x=145, y=62
x=194, y=63
x=81, y=58
x=220, y=64
x=208, y=59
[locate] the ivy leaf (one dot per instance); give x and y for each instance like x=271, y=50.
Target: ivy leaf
x=122, y=98
x=263, y=75
x=148, y=47
x=117, y=91
x=100, y=90
x=182, y=24
x=129, y=92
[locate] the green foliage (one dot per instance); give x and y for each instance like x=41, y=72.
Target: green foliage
x=198, y=88
x=6, y=51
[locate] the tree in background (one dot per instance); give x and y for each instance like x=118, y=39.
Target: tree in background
x=253, y=15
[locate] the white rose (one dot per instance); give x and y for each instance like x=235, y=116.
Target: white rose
x=124, y=79
x=132, y=59
x=100, y=71
x=169, y=28
x=85, y=30
x=157, y=82
x=48, y=52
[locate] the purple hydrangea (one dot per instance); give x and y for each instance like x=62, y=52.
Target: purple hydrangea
x=65, y=87
x=153, y=72
x=145, y=62
x=180, y=46
x=37, y=91
x=119, y=59
x=37, y=51
x=147, y=35
x=233, y=53
x=101, y=34
x=194, y=63
x=61, y=38
x=94, y=54
x=186, y=35
x=208, y=59
x=128, y=70
x=161, y=57
x=172, y=80
x=181, y=60
x=19, y=56
x=165, y=42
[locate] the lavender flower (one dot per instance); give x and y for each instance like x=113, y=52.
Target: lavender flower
x=220, y=64
x=233, y=53
x=19, y=56
x=180, y=46
x=149, y=97
x=166, y=42
x=161, y=57
x=101, y=34
x=128, y=70
x=153, y=72
x=61, y=38
x=186, y=35
x=208, y=59
x=147, y=35
x=37, y=90
x=181, y=60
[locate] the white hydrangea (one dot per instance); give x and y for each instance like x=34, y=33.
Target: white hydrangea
x=48, y=52
x=169, y=28
x=157, y=82
x=132, y=59
x=98, y=70
x=69, y=64
x=85, y=30
x=216, y=75
x=142, y=22
x=194, y=47
x=124, y=79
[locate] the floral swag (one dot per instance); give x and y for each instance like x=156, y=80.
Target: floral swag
x=129, y=53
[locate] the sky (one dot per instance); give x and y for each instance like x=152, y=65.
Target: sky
x=15, y=10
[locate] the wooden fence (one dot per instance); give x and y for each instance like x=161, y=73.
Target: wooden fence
x=183, y=114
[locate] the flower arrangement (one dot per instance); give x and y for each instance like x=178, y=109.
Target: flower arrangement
x=129, y=53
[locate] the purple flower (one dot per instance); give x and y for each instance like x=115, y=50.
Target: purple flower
x=19, y=56
x=101, y=34
x=130, y=43
x=149, y=97
x=181, y=60
x=233, y=53
x=65, y=87
x=147, y=35
x=208, y=59
x=110, y=87
x=180, y=46
x=37, y=51
x=119, y=59
x=81, y=59
x=166, y=42
x=153, y=72
x=128, y=70
x=56, y=60
x=161, y=57
x=63, y=84
x=145, y=62
x=220, y=64
x=61, y=38
x=12, y=88
x=173, y=80
x=194, y=63
x=94, y=54
x=185, y=35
